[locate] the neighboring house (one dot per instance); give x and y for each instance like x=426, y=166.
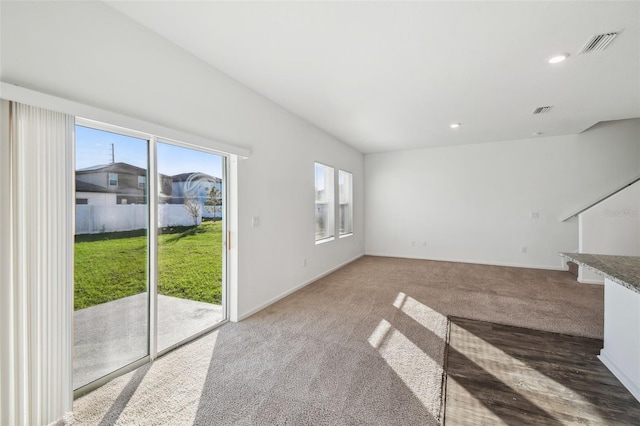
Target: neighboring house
x=122, y=183
x=88, y=193
x=197, y=185
x=127, y=182
x=117, y=183
x=108, y=198
x=194, y=184
x=166, y=192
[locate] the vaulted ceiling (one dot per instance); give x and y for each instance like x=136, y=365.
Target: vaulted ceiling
x=385, y=76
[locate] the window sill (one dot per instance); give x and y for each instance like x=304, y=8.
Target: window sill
x=325, y=240
x=350, y=234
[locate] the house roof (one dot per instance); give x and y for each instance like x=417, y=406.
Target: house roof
x=197, y=176
x=119, y=167
x=114, y=168
x=89, y=187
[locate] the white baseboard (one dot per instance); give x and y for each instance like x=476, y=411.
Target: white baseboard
x=628, y=383
x=588, y=281
x=294, y=289
x=476, y=262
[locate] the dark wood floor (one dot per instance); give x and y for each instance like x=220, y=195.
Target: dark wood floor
x=498, y=374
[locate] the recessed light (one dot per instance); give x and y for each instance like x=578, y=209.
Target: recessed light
x=454, y=125
x=537, y=134
x=558, y=58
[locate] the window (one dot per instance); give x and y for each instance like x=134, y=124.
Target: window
x=325, y=216
x=142, y=182
x=113, y=179
x=345, y=191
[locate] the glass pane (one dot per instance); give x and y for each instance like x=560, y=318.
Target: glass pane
x=190, y=249
x=324, y=202
x=345, y=184
x=110, y=286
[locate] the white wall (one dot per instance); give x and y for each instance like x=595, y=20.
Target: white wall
x=611, y=227
x=89, y=53
x=473, y=203
x=98, y=198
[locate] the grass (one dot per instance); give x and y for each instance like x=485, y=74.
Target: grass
x=189, y=266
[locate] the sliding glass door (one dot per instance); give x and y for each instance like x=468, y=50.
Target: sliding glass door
x=111, y=298
x=190, y=251
x=139, y=293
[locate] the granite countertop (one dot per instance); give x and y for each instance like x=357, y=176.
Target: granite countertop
x=625, y=270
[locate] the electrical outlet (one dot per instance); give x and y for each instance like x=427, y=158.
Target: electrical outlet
x=413, y=243
x=255, y=221
x=523, y=249
x=424, y=244
x=534, y=215
x=304, y=262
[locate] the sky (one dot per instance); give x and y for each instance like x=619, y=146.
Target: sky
x=93, y=147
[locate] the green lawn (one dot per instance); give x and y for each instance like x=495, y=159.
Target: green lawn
x=189, y=266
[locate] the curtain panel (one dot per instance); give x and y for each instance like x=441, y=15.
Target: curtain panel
x=37, y=253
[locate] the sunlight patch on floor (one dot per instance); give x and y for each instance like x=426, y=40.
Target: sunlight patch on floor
x=420, y=312
x=400, y=298
x=408, y=361
x=475, y=405
x=380, y=333
x=182, y=378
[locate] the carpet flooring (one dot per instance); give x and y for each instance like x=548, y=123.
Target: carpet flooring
x=363, y=345
x=504, y=375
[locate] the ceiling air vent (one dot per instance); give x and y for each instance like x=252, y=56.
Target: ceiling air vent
x=542, y=110
x=598, y=42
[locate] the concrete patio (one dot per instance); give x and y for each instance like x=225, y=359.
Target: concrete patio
x=114, y=334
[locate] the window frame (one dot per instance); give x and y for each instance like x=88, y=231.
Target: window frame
x=330, y=228
x=350, y=204
x=110, y=179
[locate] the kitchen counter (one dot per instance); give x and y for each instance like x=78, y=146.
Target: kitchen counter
x=624, y=270
x=621, y=349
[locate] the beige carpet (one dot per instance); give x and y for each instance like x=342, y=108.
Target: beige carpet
x=364, y=345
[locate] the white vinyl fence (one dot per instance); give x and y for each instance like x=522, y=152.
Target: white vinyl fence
x=91, y=219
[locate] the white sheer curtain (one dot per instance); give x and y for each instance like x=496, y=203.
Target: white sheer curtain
x=36, y=250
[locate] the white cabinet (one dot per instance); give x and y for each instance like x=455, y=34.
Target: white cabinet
x=621, y=351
